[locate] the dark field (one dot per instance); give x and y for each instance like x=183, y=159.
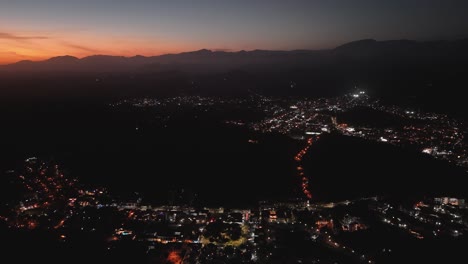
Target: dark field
x=189, y=155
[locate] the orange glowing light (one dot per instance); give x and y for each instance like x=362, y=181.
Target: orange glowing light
x=174, y=257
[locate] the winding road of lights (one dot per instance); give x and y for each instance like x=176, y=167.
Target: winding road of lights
x=300, y=170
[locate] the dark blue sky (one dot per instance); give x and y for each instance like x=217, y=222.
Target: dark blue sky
x=43, y=27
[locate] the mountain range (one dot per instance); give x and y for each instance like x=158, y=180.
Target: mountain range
x=362, y=53
x=429, y=74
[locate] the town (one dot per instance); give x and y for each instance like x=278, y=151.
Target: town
x=259, y=234
x=437, y=135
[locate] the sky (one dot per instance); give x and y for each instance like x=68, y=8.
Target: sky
x=40, y=29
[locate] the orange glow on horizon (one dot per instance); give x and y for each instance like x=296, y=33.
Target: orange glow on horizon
x=13, y=55
x=36, y=47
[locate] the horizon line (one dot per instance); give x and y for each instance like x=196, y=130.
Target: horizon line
x=164, y=54
x=228, y=50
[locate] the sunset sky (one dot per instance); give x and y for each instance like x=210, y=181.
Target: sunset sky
x=39, y=29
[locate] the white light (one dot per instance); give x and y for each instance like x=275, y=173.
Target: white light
x=427, y=151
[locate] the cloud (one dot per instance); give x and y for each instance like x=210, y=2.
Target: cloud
x=9, y=36
x=11, y=53
x=7, y=57
x=80, y=47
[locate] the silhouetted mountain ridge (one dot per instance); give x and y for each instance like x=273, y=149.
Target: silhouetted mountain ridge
x=431, y=73
x=361, y=51
x=63, y=59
